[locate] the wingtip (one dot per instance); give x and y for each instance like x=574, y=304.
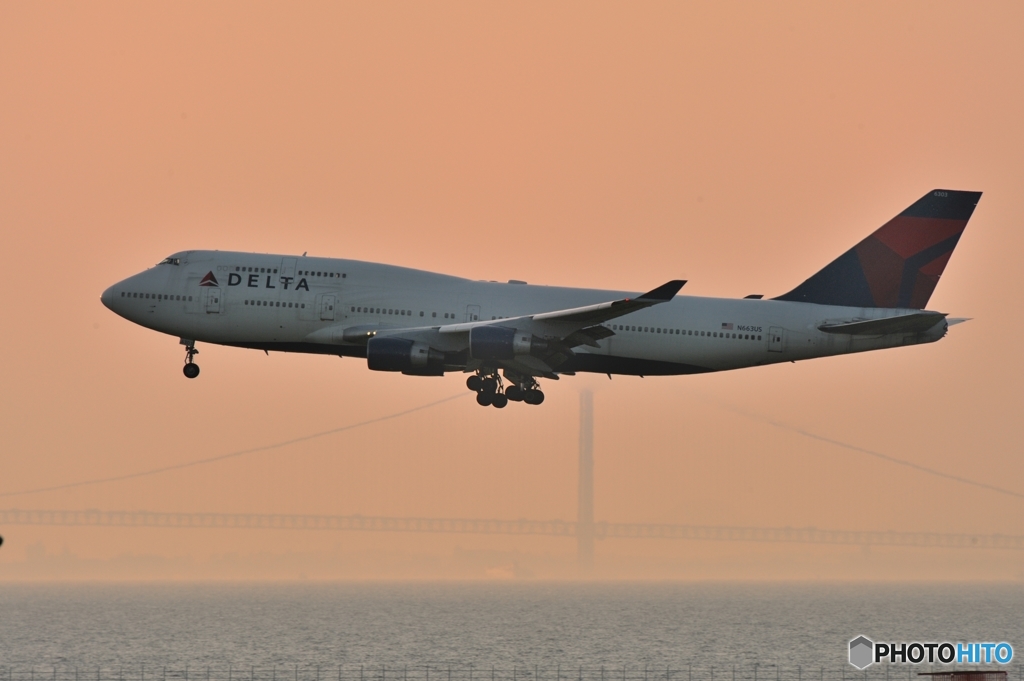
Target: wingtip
x=665, y=291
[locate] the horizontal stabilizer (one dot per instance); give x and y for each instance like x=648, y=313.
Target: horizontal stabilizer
x=908, y=323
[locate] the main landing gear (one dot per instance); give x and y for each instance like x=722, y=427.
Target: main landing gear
x=191, y=369
x=490, y=392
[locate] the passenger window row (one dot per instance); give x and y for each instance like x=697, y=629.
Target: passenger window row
x=359, y=309
x=686, y=332
x=273, y=303
x=153, y=296
x=302, y=273
x=449, y=315
x=311, y=273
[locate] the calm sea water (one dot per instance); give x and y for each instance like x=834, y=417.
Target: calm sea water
x=547, y=624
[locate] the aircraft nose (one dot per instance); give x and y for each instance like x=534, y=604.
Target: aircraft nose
x=108, y=298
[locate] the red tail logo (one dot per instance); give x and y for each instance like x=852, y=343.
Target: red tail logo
x=899, y=265
x=209, y=280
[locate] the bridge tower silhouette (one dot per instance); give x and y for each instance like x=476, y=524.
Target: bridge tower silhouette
x=585, y=488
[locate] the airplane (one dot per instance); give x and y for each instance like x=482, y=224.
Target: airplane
x=506, y=336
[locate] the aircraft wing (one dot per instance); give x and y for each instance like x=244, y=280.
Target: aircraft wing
x=554, y=333
x=562, y=323
x=562, y=330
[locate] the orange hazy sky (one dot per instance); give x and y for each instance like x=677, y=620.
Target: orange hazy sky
x=740, y=146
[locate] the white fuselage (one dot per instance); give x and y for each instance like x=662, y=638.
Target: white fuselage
x=286, y=303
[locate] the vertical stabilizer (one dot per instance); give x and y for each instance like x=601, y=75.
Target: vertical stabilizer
x=900, y=264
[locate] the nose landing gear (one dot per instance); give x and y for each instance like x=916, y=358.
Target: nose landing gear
x=191, y=369
x=490, y=390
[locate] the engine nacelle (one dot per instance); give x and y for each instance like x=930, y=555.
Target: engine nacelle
x=499, y=342
x=401, y=354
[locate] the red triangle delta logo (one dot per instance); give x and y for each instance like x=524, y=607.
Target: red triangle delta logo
x=209, y=280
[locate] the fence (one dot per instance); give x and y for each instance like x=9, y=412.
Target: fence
x=692, y=672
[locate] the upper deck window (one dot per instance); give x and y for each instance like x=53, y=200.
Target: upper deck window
x=170, y=261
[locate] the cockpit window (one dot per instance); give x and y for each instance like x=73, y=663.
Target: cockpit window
x=170, y=261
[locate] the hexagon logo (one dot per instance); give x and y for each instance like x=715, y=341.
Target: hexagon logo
x=862, y=652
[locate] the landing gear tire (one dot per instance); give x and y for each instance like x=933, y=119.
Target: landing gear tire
x=191, y=369
x=474, y=383
x=514, y=393
x=499, y=400
x=533, y=396
x=483, y=398
x=489, y=385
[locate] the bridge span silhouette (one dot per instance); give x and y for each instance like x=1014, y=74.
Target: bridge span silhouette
x=551, y=528
x=585, y=530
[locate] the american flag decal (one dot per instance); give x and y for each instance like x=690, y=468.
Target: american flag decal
x=726, y=327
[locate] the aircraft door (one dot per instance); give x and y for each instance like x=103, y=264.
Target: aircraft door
x=776, y=339
x=212, y=297
x=288, y=267
x=472, y=313
x=193, y=302
x=327, y=308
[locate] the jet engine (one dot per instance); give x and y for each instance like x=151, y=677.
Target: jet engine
x=498, y=343
x=401, y=354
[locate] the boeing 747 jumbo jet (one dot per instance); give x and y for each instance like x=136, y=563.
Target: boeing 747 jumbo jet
x=507, y=335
